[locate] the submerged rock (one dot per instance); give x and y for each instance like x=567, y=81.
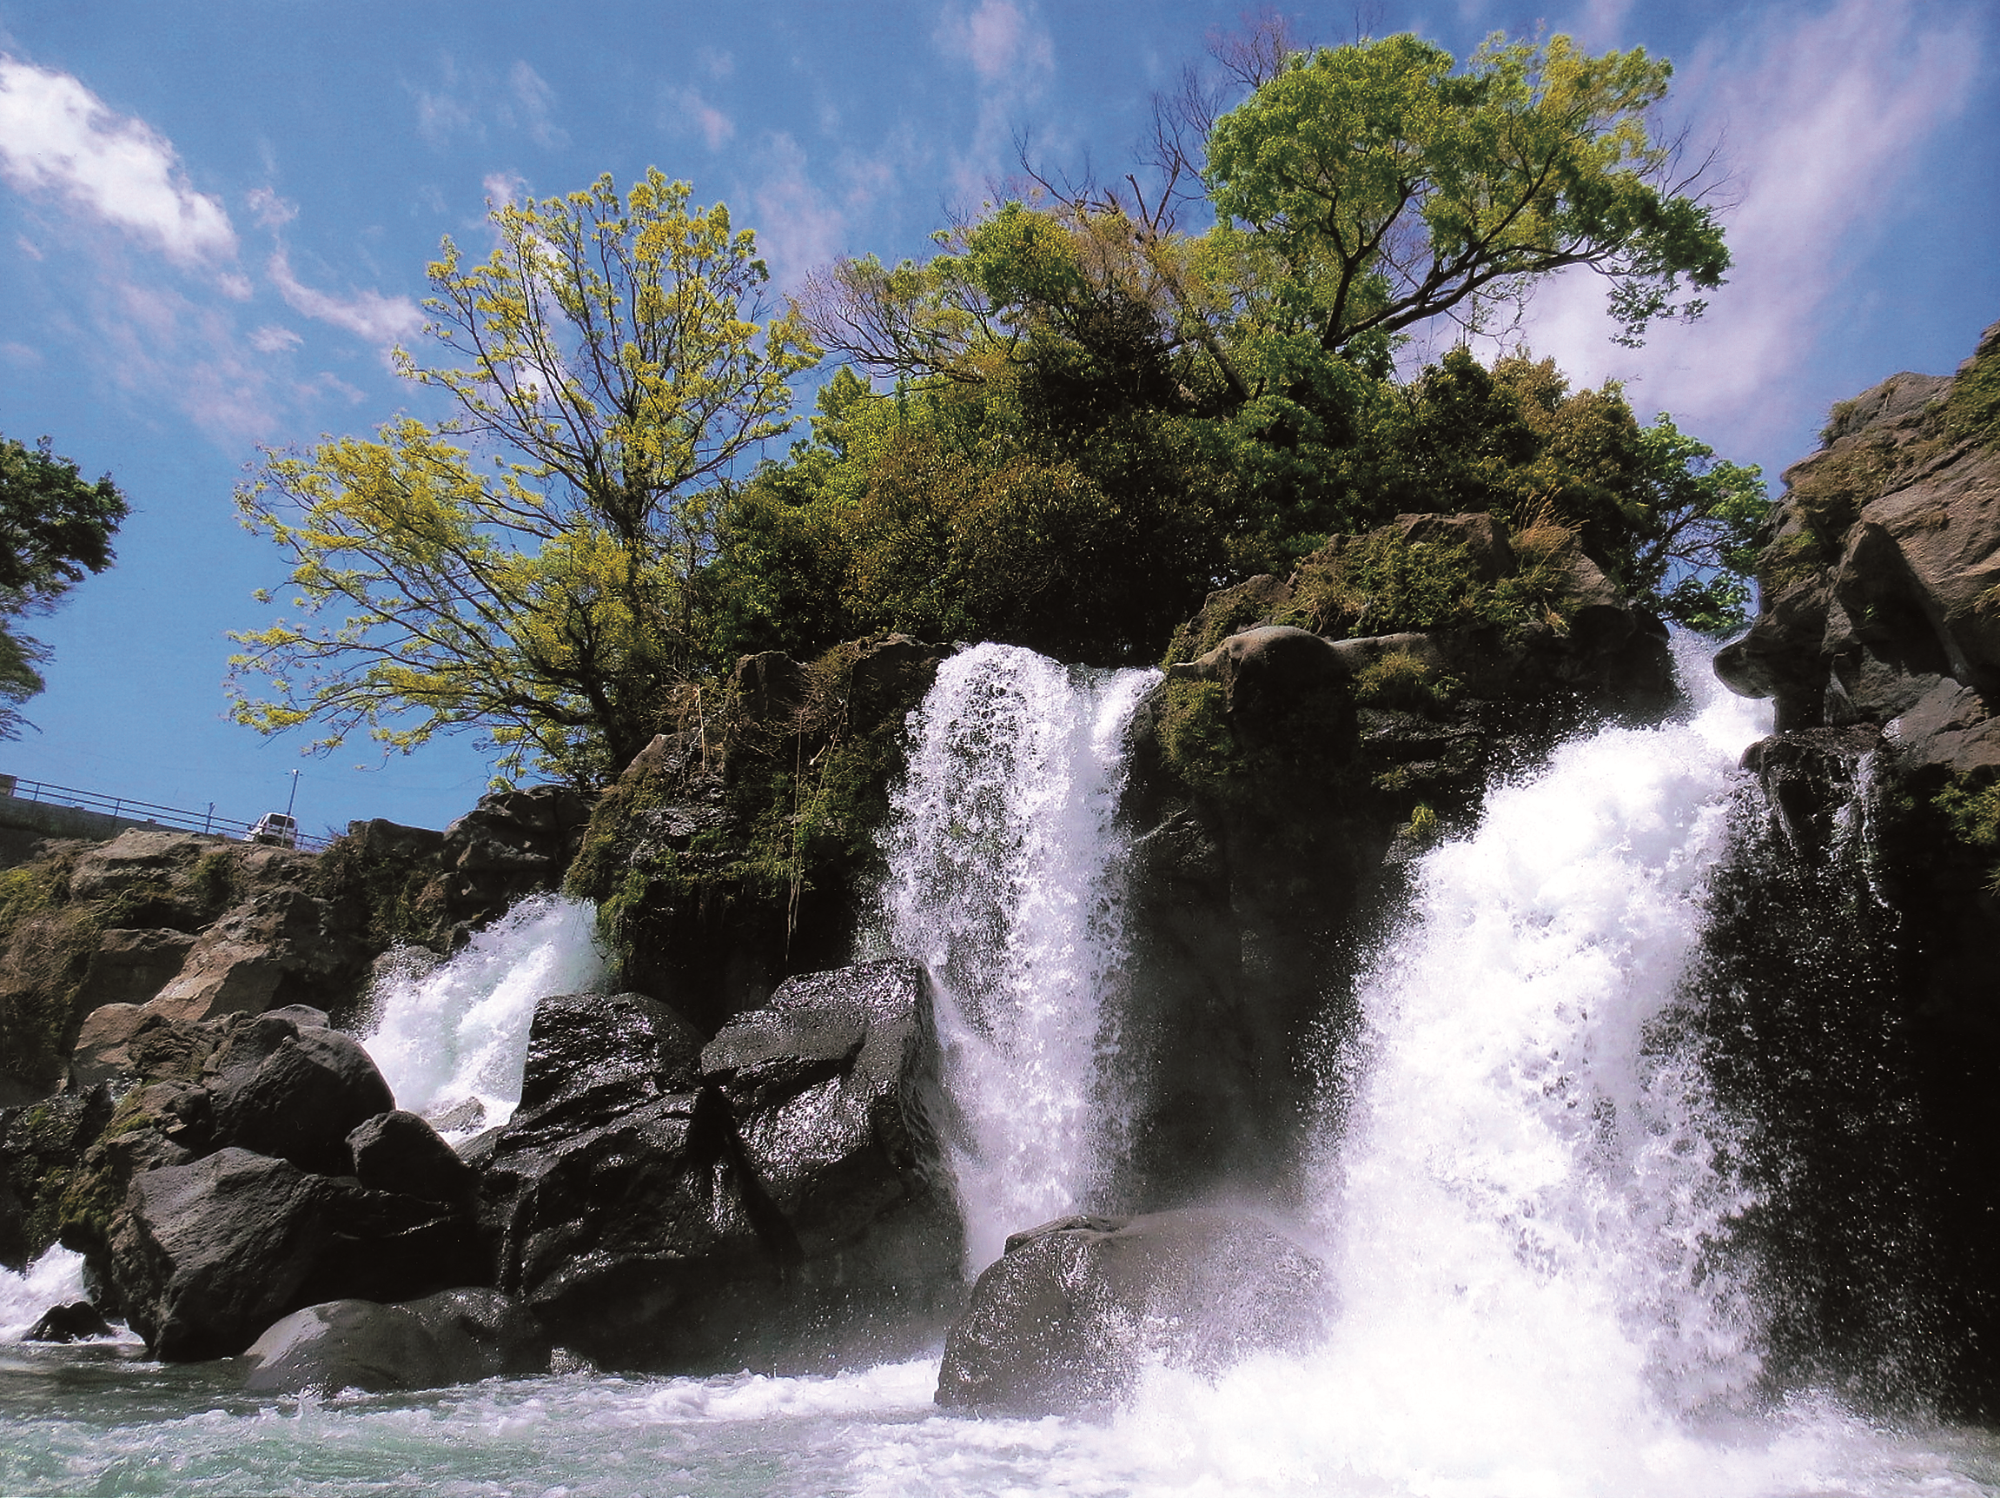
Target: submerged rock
x=454, y=1337
x=1068, y=1317
x=78, y=1321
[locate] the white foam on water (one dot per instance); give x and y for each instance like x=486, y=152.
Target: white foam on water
x=1004, y=880
x=55, y=1279
x=460, y=1031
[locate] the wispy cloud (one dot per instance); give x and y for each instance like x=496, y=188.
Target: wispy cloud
x=273, y=339
x=1826, y=114
x=270, y=210
x=366, y=314
x=998, y=40
x=464, y=99
x=535, y=104
x=1012, y=56
x=691, y=109
x=797, y=227
x=56, y=136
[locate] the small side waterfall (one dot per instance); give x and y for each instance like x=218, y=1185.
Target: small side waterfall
x=452, y=1040
x=1004, y=880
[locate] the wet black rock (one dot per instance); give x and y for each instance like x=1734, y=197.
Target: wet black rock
x=78, y=1321
x=210, y=1253
x=400, y=1153
x=789, y=1191
x=294, y=1091
x=592, y=1056
x=454, y=1337
x=1069, y=1316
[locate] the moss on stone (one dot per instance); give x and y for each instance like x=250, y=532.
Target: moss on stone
x=1971, y=810
x=1402, y=681
x=1973, y=407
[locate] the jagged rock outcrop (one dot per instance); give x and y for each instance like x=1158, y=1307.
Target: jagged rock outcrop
x=739, y=846
x=1288, y=763
x=1070, y=1315
x=1857, y=943
x=661, y=1207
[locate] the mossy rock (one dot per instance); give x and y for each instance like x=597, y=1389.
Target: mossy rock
x=739, y=847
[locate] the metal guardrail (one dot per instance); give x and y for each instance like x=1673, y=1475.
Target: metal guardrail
x=139, y=811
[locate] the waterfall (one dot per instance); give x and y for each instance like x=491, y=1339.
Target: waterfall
x=1524, y=1202
x=452, y=1040
x=1004, y=880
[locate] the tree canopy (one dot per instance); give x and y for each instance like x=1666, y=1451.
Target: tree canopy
x=524, y=565
x=1089, y=415
x=55, y=529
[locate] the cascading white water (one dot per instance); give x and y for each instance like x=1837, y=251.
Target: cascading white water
x=1530, y=1176
x=1003, y=880
x=457, y=1034
x=55, y=1279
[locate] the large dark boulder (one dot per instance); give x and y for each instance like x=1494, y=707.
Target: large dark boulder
x=402, y=1154
x=454, y=1337
x=42, y=1148
x=591, y=1056
x=1849, y=977
x=295, y=1091
x=210, y=1253
x=1072, y=1313
x=833, y=1089
x=513, y=843
x=791, y=1188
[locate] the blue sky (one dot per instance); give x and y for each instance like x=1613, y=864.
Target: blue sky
x=214, y=221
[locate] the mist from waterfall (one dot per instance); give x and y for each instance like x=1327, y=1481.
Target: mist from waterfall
x=1005, y=880
x=451, y=1039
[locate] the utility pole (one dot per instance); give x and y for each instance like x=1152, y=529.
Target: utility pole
x=293, y=798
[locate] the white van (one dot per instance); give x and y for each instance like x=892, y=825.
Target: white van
x=276, y=829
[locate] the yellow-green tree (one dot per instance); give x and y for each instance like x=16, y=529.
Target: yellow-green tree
x=523, y=567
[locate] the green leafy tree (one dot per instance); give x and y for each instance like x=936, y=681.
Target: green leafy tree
x=1697, y=550
x=55, y=529
x=1369, y=188
x=526, y=567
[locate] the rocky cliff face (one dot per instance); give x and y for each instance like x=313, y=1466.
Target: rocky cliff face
x=1283, y=776
x=1850, y=976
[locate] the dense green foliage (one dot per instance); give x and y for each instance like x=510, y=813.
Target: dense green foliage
x=54, y=529
x=524, y=567
x=1089, y=418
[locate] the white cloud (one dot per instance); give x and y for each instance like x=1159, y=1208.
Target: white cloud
x=367, y=314
x=21, y=355
x=715, y=62
x=270, y=210
x=536, y=101
x=1013, y=57
x=998, y=40
x=57, y=136
x=715, y=127
x=27, y=247
x=1825, y=117
x=504, y=187
x=272, y=339
x=797, y=228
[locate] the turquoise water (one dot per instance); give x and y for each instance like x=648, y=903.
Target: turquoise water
x=100, y=1420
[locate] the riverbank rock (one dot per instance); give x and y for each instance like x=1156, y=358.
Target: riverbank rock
x=1876, y=893
x=1071, y=1314
x=79, y=1321
x=454, y=1337
x=658, y=1213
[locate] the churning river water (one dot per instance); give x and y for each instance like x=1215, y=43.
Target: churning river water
x=1515, y=1206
